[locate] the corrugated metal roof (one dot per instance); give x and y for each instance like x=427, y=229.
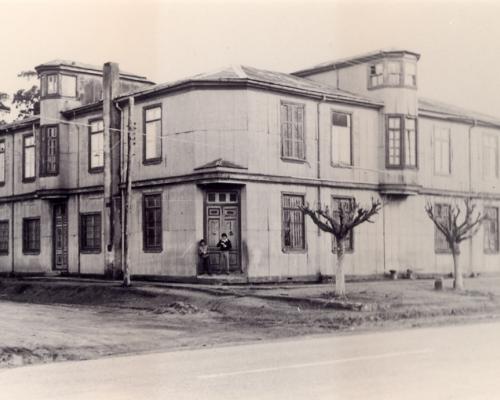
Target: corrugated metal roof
x=270, y=79
x=448, y=110
x=22, y=123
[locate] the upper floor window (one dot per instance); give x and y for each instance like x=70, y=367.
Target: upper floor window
x=341, y=139
x=96, y=146
x=440, y=242
x=292, y=219
x=377, y=74
x=292, y=131
x=152, y=134
x=2, y=161
x=152, y=222
x=401, y=142
x=442, y=146
x=58, y=84
x=344, y=203
x=490, y=156
x=410, y=74
x=49, y=151
x=490, y=226
x=28, y=157
x=394, y=73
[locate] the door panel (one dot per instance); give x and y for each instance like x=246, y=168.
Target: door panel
x=60, y=237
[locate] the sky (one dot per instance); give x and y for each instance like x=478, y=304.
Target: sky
x=167, y=40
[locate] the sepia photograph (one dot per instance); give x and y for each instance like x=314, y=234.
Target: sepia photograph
x=249, y=200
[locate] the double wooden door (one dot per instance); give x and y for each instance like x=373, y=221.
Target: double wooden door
x=223, y=218
x=60, y=236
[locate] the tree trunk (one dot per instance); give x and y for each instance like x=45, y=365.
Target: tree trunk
x=339, y=275
x=458, y=283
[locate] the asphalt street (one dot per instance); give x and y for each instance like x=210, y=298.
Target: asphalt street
x=456, y=362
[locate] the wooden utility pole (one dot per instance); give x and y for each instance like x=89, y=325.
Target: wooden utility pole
x=128, y=194
x=111, y=220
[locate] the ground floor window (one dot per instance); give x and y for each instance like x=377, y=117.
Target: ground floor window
x=346, y=203
x=4, y=237
x=151, y=223
x=440, y=242
x=292, y=222
x=90, y=232
x=31, y=235
x=490, y=225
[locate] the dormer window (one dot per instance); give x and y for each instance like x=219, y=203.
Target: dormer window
x=58, y=85
x=392, y=72
x=377, y=74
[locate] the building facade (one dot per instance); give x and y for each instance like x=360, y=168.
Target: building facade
x=238, y=151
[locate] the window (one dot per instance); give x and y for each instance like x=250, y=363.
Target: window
x=49, y=151
x=401, y=142
x=490, y=156
x=376, y=75
x=341, y=139
x=346, y=203
x=293, y=229
x=28, y=158
x=394, y=73
x=68, y=85
x=292, y=131
x=4, y=237
x=152, y=224
x=31, y=235
x=410, y=74
x=152, y=134
x=90, y=232
x=440, y=242
x=490, y=225
x=52, y=84
x=96, y=146
x=442, y=145
x=2, y=161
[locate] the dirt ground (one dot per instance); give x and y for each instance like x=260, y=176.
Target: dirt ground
x=46, y=320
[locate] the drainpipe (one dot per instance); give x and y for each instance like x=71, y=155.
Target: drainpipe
x=12, y=204
x=78, y=195
x=471, y=247
x=318, y=151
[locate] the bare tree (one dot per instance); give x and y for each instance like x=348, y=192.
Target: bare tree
x=340, y=222
x=456, y=232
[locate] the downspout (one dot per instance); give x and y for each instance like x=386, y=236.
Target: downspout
x=471, y=247
x=13, y=167
x=78, y=194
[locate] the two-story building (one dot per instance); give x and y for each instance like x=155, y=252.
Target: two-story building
x=238, y=151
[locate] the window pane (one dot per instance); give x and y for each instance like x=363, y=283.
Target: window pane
x=51, y=84
x=96, y=150
x=410, y=143
x=68, y=85
x=292, y=222
x=152, y=224
x=292, y=131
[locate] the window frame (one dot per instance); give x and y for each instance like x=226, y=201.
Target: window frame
x=289, y=249
x=435, y=139
x=488, y=250
x=26, y=249
x=4, y=222
x=351, y=150
x=24, y=138
x=44, y=146
x=3, y=164
x=350, y=238
x=437, y=249
x=60, y=85
x=98, y=169
x=158, y=159
x=148, y=248
x=403, y=62
x=490, y=135
x=402, y=142
x=84, y=247
x=291, y=158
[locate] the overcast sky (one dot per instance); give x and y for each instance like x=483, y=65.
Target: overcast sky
x=165, y=40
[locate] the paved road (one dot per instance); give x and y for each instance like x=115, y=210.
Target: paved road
x=461, y=362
